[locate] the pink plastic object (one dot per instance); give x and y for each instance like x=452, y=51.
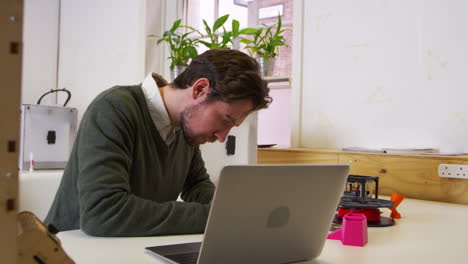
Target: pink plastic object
x=353, y=231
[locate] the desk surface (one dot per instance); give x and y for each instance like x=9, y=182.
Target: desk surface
x=429, y=232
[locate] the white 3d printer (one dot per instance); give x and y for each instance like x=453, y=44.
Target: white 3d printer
x=47, y=134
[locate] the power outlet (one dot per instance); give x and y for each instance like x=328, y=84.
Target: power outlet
x=453, y=171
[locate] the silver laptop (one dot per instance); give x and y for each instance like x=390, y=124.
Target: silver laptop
x=266, y=214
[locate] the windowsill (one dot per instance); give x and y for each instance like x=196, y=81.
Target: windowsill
x=278, y=82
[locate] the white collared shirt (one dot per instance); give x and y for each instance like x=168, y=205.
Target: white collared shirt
x=157, y=109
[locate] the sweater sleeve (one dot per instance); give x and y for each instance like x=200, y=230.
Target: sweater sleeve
x=107, y=205
x=198, y=186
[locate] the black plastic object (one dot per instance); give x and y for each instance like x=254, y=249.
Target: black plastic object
x=357, y=203
x=360, y=198
x=51, y=137
x=383, y=222
x=52, y=229
x=231, y=145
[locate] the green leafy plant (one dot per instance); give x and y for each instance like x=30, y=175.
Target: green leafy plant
x=236, y=33
x=225, y=39
x=266, y=41
x=216, y=40
x=182, y=46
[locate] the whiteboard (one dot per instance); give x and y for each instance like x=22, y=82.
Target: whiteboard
x=387, y=73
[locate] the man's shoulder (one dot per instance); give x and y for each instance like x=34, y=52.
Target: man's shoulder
x=128, y=100
x=120, y=97
x=120, y=92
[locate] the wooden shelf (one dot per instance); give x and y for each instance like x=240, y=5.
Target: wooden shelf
x=412, y=175
x=278, y=82
x=271, y=79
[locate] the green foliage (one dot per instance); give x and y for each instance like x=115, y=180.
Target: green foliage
x=265, y=41
x=182, y=46
x=215, y=39
x=224, y=39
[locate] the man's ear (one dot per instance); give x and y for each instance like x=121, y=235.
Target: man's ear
x=200, y=88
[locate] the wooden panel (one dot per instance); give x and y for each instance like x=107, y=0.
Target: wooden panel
x=295, y=157
x=11, y=14
x=413, y=177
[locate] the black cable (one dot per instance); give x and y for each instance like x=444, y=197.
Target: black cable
x=52, y=229
x=55, y=91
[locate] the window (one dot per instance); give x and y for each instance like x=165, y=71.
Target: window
x=274, y=125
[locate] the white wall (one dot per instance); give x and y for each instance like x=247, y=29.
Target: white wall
x=389, y=73
x=155, y=54
x=102, y=44
x=40, y=42
x=274, y=123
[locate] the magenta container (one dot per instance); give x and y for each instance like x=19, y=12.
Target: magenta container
x=353, y=231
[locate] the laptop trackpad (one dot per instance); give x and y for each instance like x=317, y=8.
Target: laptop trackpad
x=186, y=253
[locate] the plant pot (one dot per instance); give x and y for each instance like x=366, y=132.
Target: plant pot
x=176, y=71
x=266, y=66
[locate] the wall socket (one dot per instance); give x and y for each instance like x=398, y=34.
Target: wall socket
x=453, y=171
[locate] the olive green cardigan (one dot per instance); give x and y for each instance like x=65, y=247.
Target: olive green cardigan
x=123, y=180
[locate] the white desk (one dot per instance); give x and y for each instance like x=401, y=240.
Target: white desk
x=428, y=232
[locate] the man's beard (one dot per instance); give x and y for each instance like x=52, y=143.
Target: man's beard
x=185, y=116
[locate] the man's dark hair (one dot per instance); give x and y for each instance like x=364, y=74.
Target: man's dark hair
x=233, y=75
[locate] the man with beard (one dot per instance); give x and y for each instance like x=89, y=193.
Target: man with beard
x=137, y=149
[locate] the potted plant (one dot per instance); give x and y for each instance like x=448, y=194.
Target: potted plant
x=264, y=45
x=182, y=46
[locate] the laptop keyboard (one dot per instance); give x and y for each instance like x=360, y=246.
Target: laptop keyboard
x=184, y=258
x=186, y=253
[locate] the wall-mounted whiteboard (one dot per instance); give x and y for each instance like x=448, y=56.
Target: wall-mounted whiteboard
x=385, y=73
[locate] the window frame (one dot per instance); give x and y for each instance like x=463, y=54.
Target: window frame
x=297, y=66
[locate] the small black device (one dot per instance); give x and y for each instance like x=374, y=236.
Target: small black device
x=231, y=145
